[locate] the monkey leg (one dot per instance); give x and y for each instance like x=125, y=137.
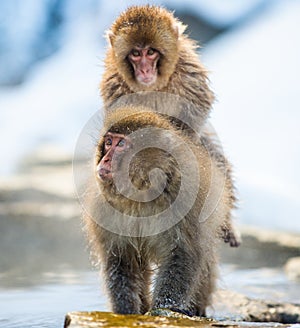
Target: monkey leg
x=146, y=274
x=175, y=281
x=127, y=284
x=198, y=304
x=202, y=295
x=205, y=283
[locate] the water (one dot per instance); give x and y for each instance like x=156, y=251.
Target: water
x=264, y=283
x=45, y=304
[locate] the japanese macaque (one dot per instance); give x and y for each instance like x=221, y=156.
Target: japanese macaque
x=149, y=52
x=156, y=205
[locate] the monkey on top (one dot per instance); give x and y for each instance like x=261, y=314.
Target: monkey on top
x=149, y=52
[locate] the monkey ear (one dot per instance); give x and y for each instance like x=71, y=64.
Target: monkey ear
x=179, y=28
x=110, y=37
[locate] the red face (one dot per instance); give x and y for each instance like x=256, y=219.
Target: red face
x=144, y=62
x=113, y=143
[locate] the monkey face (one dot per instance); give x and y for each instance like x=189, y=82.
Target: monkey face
x=144, y=47
x=114, y=144
x=144, y=63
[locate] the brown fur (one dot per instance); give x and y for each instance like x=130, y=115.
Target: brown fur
x=180, y=71
x=186, y=253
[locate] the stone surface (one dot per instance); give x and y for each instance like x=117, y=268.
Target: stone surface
x=108, y=319
x=167, y=319
x=237, y=307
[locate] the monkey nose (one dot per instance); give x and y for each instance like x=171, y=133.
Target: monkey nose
x=145, y=71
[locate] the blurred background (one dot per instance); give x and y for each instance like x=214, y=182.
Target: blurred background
x=51, y=62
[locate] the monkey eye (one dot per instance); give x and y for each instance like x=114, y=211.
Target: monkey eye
x=108, y=142
x=121, y=143
x=150, y=52
x=135, y=53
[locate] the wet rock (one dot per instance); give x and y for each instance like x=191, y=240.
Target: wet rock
x=172, y=319
x=230, y=310
x=107, y=319
x=233, y=306
x=292, y=268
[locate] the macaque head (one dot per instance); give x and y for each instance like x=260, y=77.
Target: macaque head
x=144, y=162
x=125, y=138
x=144, y=46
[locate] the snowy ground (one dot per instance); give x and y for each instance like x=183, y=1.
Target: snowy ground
x=254, y=72
x=256, y=78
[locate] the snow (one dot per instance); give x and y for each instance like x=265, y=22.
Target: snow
x=255, y=73
x=13, y=42
x=61, y=94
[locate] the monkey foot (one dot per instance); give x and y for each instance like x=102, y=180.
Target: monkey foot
x=183, y=311
x=229, y=237
x=169, y=312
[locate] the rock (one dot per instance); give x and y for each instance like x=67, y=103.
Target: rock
x=230, y=309
x=292, y=268
x=237, y=307
x=108, y=319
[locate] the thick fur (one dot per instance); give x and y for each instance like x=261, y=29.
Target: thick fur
x=180, y=72
x=185, y=255
x=179, y=69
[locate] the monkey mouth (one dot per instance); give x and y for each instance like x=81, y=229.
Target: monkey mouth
x=146, y=79
x=105, y=174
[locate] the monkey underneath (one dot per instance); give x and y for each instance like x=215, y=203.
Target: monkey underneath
x=150, y=52
x=184, y=251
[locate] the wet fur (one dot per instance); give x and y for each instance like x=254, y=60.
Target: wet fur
x=185, y=255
